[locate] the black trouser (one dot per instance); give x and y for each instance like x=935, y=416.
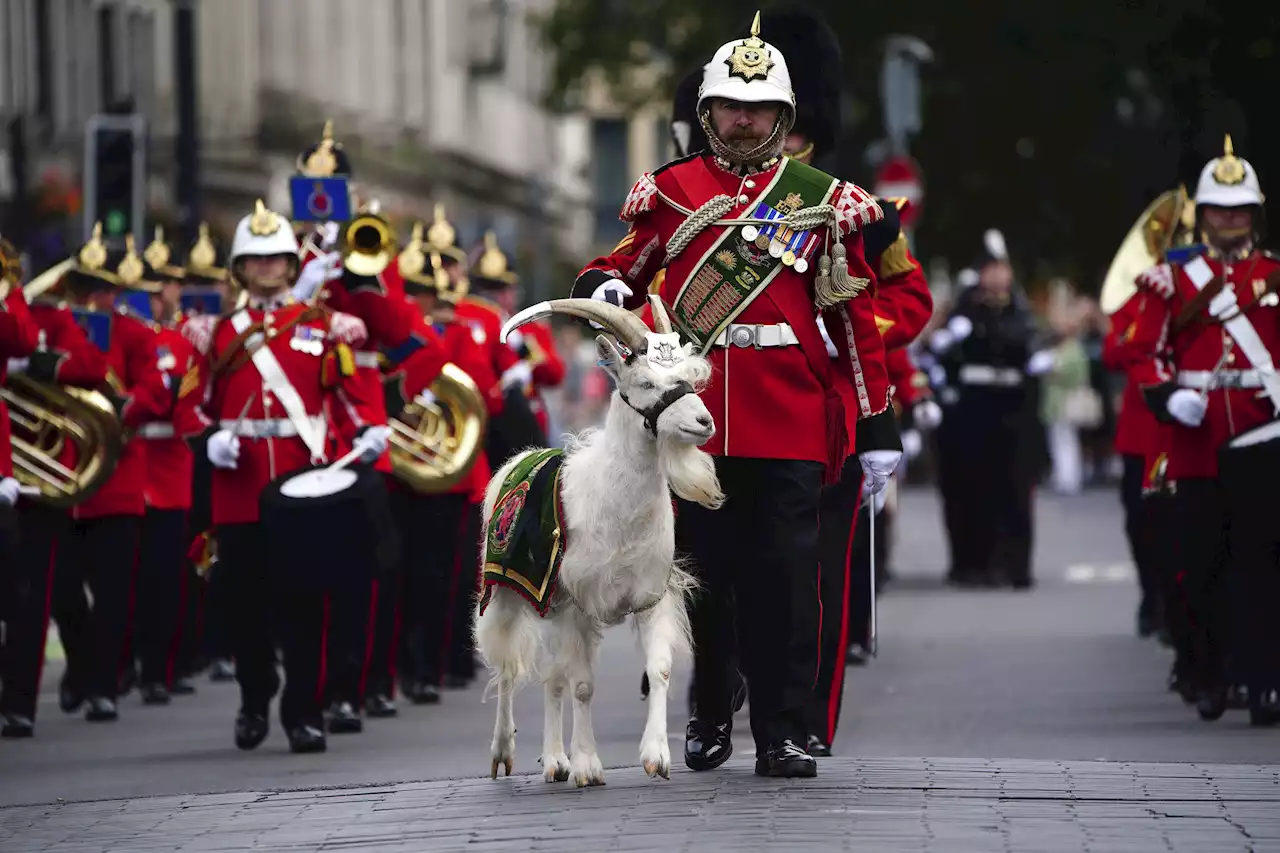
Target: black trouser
x=1137, y=521
x=838, y=514
x=1162, y=510
x=390, y=616
x=26, y=584
x=102, y=552
x=162, y=592
x=259, y=600
x=432, y=530
x=760, y=552
x=215, y=611
x=460, y=661
x=1200, y=527
x=987, y=484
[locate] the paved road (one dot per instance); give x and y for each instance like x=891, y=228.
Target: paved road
x=980, y=726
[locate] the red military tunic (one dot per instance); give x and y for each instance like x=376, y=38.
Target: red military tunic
x=903, y=303
x=775, y=402
x=546, y=364
x=270, y=446
x=1138, y=433
x=169, y=458
x=473, y=359
x=147, y=397
x=910, y=386
x=485, y=320
x=1195, y=349
x=19, y=336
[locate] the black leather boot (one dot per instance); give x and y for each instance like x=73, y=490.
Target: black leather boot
x=251, y=730
x=343, y=719
x=707, y=746
x=154, y=693
x=785, y=760
x=307, y=738
x=101, y=710
x=817, y=747
x=380, y=705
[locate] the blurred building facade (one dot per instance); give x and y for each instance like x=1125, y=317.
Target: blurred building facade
x=435, y=100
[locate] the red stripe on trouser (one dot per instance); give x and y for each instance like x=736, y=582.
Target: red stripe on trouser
x=324, y=652
x=48, y=605
x=447, y=637
x=369, y=631
x=842, y=648
x=175, y=640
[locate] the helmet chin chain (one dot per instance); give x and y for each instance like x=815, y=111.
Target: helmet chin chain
x=768, y=149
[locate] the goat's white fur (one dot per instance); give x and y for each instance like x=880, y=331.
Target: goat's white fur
x=617, y=484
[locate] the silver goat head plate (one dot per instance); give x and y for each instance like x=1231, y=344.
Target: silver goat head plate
x=664, y=351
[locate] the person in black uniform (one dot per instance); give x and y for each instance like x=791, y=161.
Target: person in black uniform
x=991, y=350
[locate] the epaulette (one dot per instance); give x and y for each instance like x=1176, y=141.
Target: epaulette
x=643, y=198
x=1183, y=254
x=855, y=209
x=880, y=235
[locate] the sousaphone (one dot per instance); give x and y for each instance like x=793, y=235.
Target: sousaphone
x=1168, y=222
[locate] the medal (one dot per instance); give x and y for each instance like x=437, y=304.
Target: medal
x=776, y=248
x=750, y=232
x=789, y=257
x=762, y=241
x=801, y=265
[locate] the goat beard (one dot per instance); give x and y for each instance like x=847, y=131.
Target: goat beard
x=690, y=473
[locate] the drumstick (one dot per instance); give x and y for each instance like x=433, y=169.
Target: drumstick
x=346, y=460
x=1217, y=369
x=235, y=427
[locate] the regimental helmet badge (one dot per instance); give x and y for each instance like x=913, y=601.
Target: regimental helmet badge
x=441, y=234
x=263, y=223
x=750, y=59
x=130, y=270
x=93, y=255
x=157, y=254
x=413, y=260
x=322, y=163
x=203, y=255
x=493, y=264
x=1229, y=169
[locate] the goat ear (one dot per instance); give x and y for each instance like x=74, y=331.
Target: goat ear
x=610, y=357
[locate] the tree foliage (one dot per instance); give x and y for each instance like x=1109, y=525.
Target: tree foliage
x=1053, y=121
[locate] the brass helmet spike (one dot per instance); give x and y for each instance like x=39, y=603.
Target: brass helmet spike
x=157, y=254
x=1229, y=169
x=441, y=235
x=493, y=264
x=322, y=163
x=203, y=255
x=412, y=260
x=437, y=269
x=93, y=256
x=130, y=271
x=755, y=26
x=264, y=223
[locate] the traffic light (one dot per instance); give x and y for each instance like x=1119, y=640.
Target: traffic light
x=115, y=174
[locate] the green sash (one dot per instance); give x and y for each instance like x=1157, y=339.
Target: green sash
x=731, y=273
x=526, y=537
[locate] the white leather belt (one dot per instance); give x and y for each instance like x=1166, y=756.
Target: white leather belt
x=366, y=359
x=268, y=428
x=985, y=374
x=757, y=336
x=1201, y=379
x=155, y=431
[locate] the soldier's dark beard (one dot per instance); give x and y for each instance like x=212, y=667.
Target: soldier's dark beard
x=743, y=156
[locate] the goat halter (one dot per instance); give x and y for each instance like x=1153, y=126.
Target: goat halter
x=652, y=413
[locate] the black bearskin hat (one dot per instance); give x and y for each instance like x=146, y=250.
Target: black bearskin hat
x=686, y=129
x=813, y=56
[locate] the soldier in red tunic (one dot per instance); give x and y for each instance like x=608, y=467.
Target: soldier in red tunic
x=19, y=336
x=1213, y=310
x=754, y=246
x=281, y=393
x=103, y=546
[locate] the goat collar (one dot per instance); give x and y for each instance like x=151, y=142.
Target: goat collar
x=652, y=413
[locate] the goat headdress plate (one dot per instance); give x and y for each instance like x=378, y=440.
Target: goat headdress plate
x=664, y=351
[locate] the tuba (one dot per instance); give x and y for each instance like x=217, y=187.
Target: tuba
x=369, y=245
x=45, y=420
x=1169, y=221
x=434, y=444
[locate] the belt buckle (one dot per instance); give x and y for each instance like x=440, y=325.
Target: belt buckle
x=1231, y=381
x=744, y=336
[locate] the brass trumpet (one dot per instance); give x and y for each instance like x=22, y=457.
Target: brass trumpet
x=370, y=245
x=434, y=445
x=45, y=419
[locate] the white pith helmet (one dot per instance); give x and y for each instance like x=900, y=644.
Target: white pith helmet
x=747, y=70
x=1228, y=181
x=263, y=233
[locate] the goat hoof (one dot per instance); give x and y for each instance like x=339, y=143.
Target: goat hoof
x=555, y=767
x=506, y=766
x=655, y=757
x=587, y=771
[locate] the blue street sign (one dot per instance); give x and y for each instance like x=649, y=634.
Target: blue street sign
x=320, y=199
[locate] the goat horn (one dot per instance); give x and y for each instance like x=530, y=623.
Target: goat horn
x=627, y=327
x=661, y=322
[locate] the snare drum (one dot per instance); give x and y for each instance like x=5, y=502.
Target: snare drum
x=1249, y=473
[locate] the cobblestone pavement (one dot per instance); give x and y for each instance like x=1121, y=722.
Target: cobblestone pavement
x=1050, y=720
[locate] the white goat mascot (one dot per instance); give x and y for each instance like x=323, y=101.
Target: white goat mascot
x=619, y=544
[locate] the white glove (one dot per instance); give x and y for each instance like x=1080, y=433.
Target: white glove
x=927, y=414
x=826, y=338
x=912, y=443
x=1223, y=304
x=224, y=450
x=877, y=467
x=18, y=365
x=425, y=397
x=960, y=328
x=1187, y=407
x=318, y=270
x=1041, y=362
x=347, y=329
x=613, y=291
x=515, y=340
x=329, y=235
x=373, y=442
x=10, y=489
x=519, y=373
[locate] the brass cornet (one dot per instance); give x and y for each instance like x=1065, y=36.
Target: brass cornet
x=369, y=244
x=434, y=445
